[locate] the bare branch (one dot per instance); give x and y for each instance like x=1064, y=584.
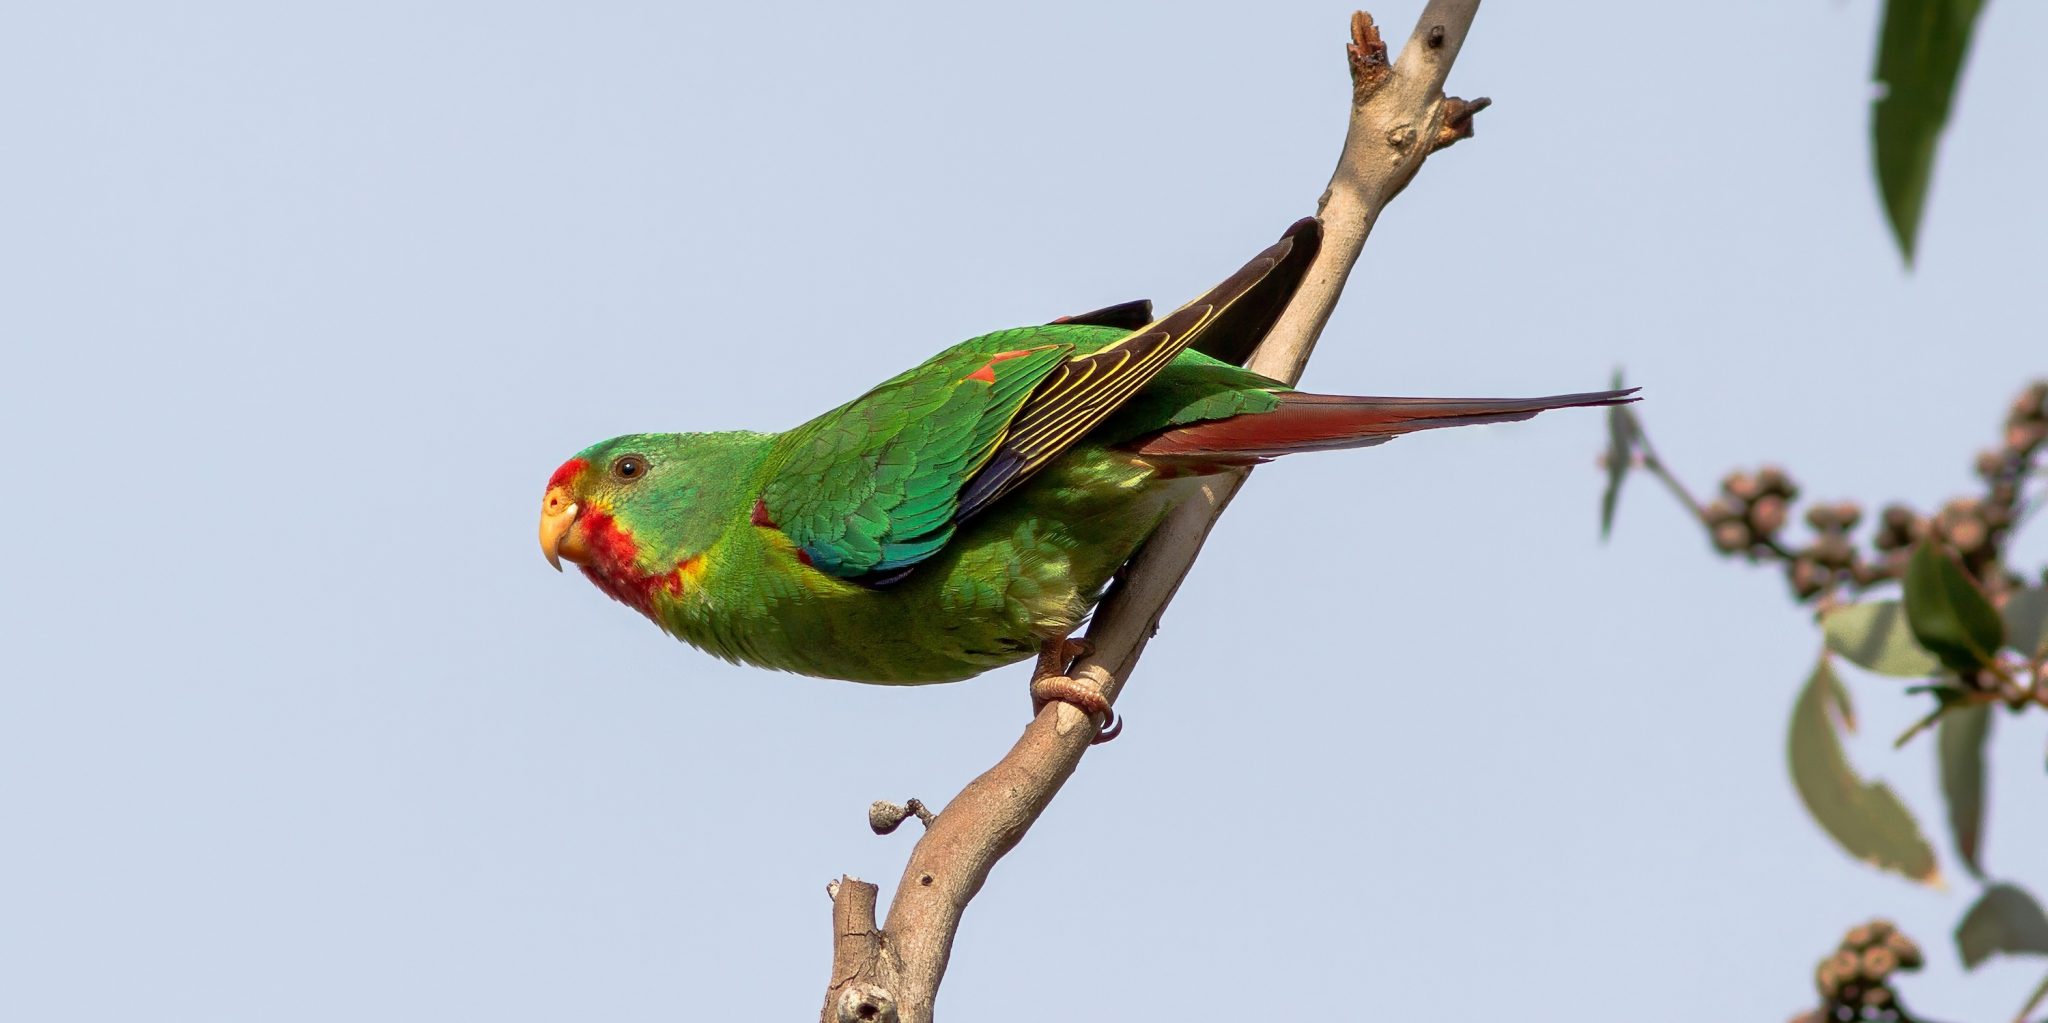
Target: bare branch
x=1399, y=116
x=861, y=976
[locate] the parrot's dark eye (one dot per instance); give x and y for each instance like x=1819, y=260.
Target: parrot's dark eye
x=629, y=467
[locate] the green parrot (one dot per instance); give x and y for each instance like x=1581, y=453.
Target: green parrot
x=967, y=513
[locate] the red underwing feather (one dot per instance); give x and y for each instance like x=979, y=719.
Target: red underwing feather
x=1312, y=422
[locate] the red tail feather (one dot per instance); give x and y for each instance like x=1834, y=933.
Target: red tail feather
x=1316, y=422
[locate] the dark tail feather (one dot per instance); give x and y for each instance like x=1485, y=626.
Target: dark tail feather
x=1237, y=331
x=1319, y=422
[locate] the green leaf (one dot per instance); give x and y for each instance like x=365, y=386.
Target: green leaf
x=1959, y=745
x=2005, y=919
x=1920, y=53
x=2026, y=621
x=1949, y=614
x=1622, y=431
x=1875, y=636
x=1865, y=818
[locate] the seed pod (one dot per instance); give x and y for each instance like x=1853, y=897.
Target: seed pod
x=1807, y=577
x=1879, y=962
x=1877, y=997
x=1848, y=513
x=1822, y=518
x=1848, y=966
x=1832, y=550
x=1990, y=463
x=1827, y=978
x=1907, y=952
x=2032, y=404
x=1742, y=487
x=1767, y=515
x=1860, y=937
x=1732, y=537
x=2025, y=437
x=1772, y=480
x=1969, y=535
x=1897, y=527
x=1718, y=511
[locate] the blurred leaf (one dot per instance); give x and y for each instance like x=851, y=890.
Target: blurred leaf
x=1621, y=449
x=2026, y=621
x=2005, y=919
x=1960, y=749
x=1874, y=635
x=1865, y=818
x=1949, y=614
x=1920, y=53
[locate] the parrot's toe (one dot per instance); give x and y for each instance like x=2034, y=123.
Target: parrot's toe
x=1084, y=695
x=1057, y=656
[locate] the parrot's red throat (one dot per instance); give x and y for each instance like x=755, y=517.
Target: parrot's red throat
x=611, y=560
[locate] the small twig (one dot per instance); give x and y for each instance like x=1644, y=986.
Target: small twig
x=1655, y=467
x=1458, y=119
x=2033, y=1002
x=884, y=816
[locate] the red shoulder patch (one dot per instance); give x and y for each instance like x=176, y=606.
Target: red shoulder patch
x=987, y=373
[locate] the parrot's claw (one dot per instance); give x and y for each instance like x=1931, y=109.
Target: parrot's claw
x=1054, y=683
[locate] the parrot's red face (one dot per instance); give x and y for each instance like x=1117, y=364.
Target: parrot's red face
x=564, y=533
x=585, y=520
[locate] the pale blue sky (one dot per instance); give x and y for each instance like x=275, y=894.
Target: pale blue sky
x=305, y=303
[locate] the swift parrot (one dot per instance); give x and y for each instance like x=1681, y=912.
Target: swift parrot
x=968, y=512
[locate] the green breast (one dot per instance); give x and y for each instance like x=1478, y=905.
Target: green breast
x=1025, y=571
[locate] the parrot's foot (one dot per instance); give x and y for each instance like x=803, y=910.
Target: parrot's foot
x=1053, y=682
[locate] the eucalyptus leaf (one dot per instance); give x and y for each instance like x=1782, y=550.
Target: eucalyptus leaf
x=2026, y=621
x=1865, y=818
x=1920, y=52
x=1959, y=745
x=2005, y=920
x=1949, y=614
x=1874, y=635
x=1622, y=431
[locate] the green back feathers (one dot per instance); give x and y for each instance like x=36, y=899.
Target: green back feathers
x=873, y=487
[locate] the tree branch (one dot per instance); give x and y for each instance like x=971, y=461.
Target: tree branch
x=1399, y=115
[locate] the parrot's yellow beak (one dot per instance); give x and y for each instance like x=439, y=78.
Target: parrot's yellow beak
x=557, y=515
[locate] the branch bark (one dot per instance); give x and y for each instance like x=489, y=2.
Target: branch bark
x=1399, y=115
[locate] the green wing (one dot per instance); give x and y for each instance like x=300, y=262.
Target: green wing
x=873, y=486
x=870, y=489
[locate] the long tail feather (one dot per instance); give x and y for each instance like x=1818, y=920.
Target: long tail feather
x=1320, y=422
